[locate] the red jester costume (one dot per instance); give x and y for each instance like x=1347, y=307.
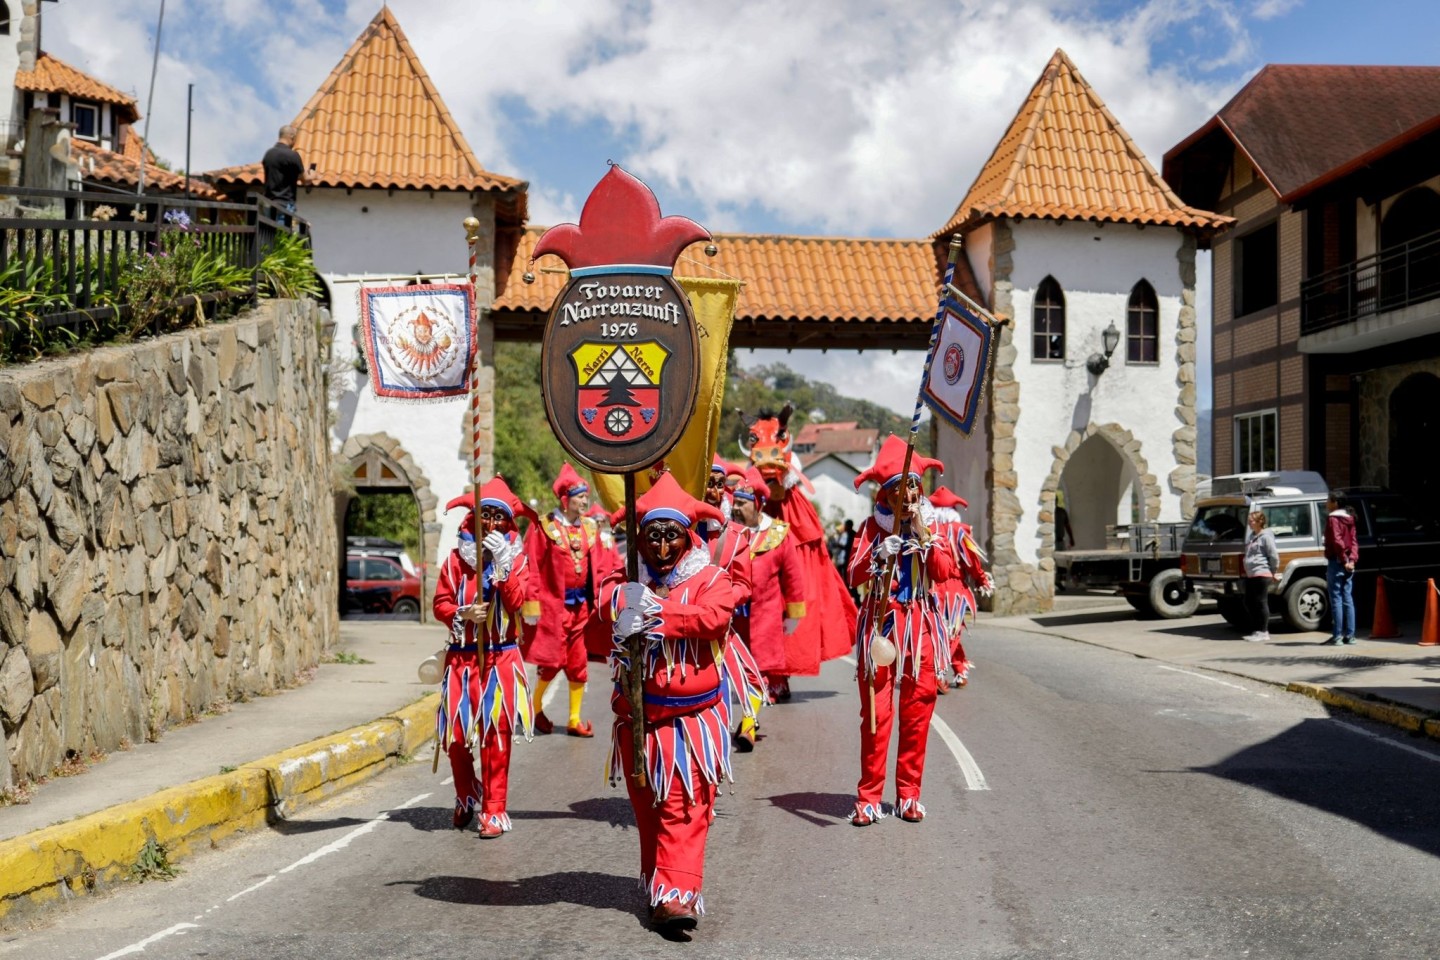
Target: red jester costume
x=777, y=602
x=901, y=637
x=729, y=544
x=682, y=606
x=484, y=699
x=567, y=563
x=957, y=597
x=829, y=630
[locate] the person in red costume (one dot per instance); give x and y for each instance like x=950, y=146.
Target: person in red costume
x=681, y=605
x=567, y=563
x=957, y=596
x=484, y=699
x=729, y=544
x=901, y=639
x=777, y=601
x=828, y=632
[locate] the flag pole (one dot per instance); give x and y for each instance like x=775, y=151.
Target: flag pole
x=635, y=643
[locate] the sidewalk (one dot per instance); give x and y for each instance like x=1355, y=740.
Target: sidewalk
x=1393, y=681
x=231, y=771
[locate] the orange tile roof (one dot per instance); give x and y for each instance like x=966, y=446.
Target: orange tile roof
x=786, y=278
x=52, y=75
x=107, y=166
x=377, y=121
x=1066, y=157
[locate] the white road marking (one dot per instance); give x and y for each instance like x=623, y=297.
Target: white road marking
x=1223, y=683
x=549, y=697
x=447, y=781
x=1394, y=743
x=249, y=889
x=329, y=848
x=974, y=779
x=345, y=841
x=140, y=945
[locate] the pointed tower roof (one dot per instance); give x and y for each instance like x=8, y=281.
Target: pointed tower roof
x=377, y=121
x=1066, y=157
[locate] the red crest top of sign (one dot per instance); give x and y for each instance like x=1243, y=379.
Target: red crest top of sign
x=620, y=225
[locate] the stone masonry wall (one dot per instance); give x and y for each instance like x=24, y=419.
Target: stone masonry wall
x=166, y=537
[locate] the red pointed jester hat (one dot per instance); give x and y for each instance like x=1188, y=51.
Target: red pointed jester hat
x=944, y=497
x=667, y=500
x=891, y=460
x=569, y=484
x=494, y=493
x=753, y=486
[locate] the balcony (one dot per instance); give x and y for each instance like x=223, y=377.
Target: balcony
x=1384, y=298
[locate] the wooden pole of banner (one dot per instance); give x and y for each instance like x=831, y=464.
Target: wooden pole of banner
x=635, y=677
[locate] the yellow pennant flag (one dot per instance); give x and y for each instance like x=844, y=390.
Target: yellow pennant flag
x=713, y=301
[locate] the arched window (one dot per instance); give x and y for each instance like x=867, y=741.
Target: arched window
x=1048, y=341
x=1142, y=325
x=4, y=18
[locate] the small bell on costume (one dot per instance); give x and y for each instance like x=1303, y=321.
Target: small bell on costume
x=882, y=650
x=432, y=667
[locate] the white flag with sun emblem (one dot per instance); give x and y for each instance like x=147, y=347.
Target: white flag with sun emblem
x=959, y=368
x=419, y=341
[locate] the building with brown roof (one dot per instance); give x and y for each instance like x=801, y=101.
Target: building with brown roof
x=1074, y=237
x=390, y=176
x=1327, y=289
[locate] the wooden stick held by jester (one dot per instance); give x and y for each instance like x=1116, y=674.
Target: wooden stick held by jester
x=620, y=350
x=620, y=361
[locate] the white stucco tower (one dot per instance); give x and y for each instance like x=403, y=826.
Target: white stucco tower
x=1071, y=234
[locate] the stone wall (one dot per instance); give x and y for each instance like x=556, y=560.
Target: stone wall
x=1376, y=386
x=166, y=530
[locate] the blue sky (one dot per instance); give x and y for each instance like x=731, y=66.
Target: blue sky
x=838, y=117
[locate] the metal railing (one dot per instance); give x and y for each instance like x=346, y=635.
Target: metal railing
x=1396, y=277
x=72, y=247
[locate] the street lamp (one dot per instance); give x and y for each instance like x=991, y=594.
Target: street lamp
x=1098, y=364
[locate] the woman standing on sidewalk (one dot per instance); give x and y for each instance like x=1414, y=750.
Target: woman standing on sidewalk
x=1342, y=551
x=1262, y=568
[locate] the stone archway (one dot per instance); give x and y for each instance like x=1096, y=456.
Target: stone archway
x=1127, y=446
x=1414, y=431
x=378, y=461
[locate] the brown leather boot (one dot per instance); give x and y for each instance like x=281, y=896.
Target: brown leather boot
x=673, y=916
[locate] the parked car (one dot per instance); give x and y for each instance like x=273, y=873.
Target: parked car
x=376, y=583
x=1394, y=537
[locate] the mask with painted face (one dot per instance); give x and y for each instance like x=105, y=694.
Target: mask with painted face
x=662, y=544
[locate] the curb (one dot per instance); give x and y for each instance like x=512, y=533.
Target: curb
x=67, y=860
x=1367, y=705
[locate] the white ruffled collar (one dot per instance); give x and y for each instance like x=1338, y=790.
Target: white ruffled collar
x=886, y=519
x=695, y=560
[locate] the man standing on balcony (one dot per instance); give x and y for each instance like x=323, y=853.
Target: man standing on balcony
x=283, y=171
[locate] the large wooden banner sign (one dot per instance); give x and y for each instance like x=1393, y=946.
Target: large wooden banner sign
x=620, y=353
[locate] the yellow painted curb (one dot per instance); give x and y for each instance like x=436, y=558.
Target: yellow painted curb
x=70, y=859
x=1390, y=713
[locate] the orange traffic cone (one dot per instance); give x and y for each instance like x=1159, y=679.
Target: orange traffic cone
x=1383, y=627
x=1430, y=630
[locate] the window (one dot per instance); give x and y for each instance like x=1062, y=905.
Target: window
x=378, y=569
x=352, y=568
x=1142, y=325
x=1049, y=338
x=1290, y=519
x=86, y=118
x=1392, y=517
x=1256, y=449
x=1257, y=270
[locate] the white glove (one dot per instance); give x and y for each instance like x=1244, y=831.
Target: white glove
x=632, y=609
x=987, y=586
x=530, y=621
x=632, y=596
x=501, y=553
x=791, y=625
x=889, y=547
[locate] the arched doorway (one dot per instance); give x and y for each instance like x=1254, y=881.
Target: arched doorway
x=388, y=519
x=1100, y=488
x=1412, y=274
x=1414, y=436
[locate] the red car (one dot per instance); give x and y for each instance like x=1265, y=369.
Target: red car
x=376, y=584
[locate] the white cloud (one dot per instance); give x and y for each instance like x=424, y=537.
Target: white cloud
x=1273, y=9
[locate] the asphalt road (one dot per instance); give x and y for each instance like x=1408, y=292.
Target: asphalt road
x=1106, y=806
